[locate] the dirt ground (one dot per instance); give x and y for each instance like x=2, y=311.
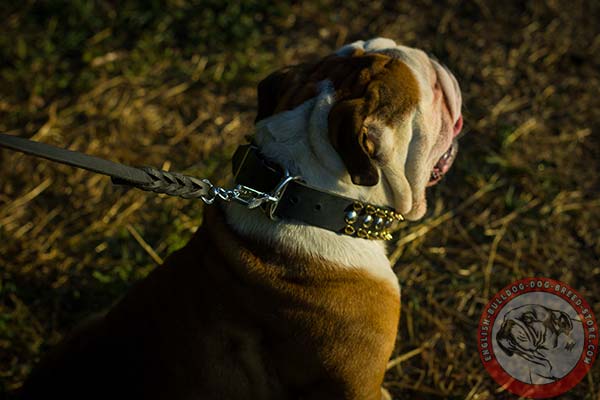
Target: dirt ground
x=172, y=85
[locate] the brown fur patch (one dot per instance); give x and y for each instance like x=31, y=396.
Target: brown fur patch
x=226, y=318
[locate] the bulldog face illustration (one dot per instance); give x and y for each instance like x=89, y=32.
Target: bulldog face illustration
x=532, y=332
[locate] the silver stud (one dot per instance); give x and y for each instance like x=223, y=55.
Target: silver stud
x=351, y=217
x=378, y=223
x=367, y=221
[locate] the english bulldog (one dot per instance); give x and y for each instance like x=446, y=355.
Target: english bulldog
x=256, y=308
x=532, y=333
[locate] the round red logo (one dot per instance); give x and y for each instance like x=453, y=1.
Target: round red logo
x=538, y=338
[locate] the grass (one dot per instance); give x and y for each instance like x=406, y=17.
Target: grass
x=171, y=84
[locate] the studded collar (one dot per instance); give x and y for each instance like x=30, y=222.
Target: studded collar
x=303, y=203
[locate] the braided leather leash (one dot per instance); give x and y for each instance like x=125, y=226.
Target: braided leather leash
x=172, y=184
x=145, y=178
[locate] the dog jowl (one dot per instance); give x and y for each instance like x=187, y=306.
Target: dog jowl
x=255, y=308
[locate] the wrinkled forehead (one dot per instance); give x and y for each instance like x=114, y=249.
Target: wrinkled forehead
x=416, y=59
x=539, y=311
x=426, y=69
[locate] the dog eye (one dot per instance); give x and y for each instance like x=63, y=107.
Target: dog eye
x=527, y=319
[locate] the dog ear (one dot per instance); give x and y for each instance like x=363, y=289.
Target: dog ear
x=348, y=133
x=350, y=138
x=504, y=336
x=374, y=93
x=284, y=89
x=290, y=86
x=270, y=90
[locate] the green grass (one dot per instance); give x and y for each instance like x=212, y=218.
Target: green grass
x=171, y=84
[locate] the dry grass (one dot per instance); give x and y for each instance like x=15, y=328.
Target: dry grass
x=522, y=199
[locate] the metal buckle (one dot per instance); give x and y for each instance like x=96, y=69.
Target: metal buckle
x=278, y=194
x=253, y=198
x=246, y=195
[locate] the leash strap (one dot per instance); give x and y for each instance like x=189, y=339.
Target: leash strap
x=259, y=184
x=146, y=178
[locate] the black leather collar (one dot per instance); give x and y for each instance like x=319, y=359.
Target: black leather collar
x=304, y=203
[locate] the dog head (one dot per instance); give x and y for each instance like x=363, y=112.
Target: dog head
x=530, y=329
x=392, y=116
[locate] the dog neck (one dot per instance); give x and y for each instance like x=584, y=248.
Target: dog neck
x=297, y=140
